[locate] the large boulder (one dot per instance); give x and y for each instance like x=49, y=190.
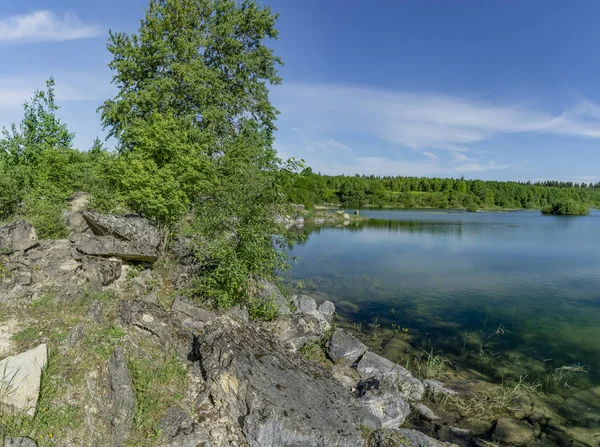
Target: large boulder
x=110, y=246
x=20, y=378
x=129, y=227
x=386, y=371
x=122, y=397
x=17, y=236
x=278, y=398
x=344, y=348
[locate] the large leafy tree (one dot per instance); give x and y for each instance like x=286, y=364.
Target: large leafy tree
x=195, y=127
x=193, y=83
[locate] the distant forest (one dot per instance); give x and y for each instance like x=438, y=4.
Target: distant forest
x=422, y=192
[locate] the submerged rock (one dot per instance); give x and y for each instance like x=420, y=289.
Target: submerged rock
x=20, y=377
x=511, y=431
x=17, y=236
x=404, y=437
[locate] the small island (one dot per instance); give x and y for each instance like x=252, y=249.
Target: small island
x=566, y=208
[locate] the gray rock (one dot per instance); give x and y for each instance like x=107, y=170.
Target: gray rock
x=122, y=397
x=386, y=371
x=193, y=310
x=129, y=227
x=269, y=291
x=182, y=248
x=96, y=312
x=344, y=348
x=20, y=377
x=425, y=412
x=74, y=336
x=110, y=246
x=457, y=435
x=437, y=388
x=298, y=329
x=102, y=271
x=19, y=442
x=153, y=320
x=76, y=223
x=306, y=305
x=404, y=437
x=17, y=236
x=278, y=398
x=389, y=407
x=175, y=422
x=511, y=431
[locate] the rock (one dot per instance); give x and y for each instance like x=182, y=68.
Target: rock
x=17, y=236
x=96, y=312
x=390, y=409
x=151, y=319
x=20, y=377
x=76, y=223
x=110, y=246
x=373, y=365
x=19, y=442
x=192, y=310
x=306, y=305
x=128, y=227
x=102, y=271
x=457, y=435
x=404, y=437
x=182, y=248
x=79, y=201
x=346, y=216
x=357, y=213
x=344, y=348
x=299, y=207
x=511, y=431
x=270, y=292
x=176, y=422
x=278, y=398
x=74, y=336
x=425, y=412
x=122, y=397
x=298, y=329
x=437, y=388
x=584, y=406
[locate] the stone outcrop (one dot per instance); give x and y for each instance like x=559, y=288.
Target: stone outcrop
x=122, y=397
x=19, y=442
x=278, y=398
x=270, y=292
x=110, y=246
x=20, y=378
x=17, y=236
x=128, y=227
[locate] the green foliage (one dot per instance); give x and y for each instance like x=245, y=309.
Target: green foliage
x=192, y=85
x=413, y=192
x=566, y=208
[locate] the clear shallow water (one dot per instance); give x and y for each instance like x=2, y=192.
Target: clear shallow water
x=455, y=278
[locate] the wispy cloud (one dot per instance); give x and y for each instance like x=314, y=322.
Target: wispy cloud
x=45, y=26
x=384, y=127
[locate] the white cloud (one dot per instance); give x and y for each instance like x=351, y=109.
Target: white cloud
x=380, y=126
x=45, y=26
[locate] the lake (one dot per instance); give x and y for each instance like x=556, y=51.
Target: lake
x=518, y=288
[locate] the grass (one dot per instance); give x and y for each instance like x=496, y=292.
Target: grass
x=159, y=381
x=502, y=400
x=558, y=378
x=52, y=420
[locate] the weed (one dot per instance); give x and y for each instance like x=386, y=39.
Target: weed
x=27, y=335
x=103, y=341
x=314, y=352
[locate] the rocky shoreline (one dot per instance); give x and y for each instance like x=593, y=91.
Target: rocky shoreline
x=100, y=321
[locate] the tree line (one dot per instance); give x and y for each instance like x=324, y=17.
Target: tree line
x=357, y=191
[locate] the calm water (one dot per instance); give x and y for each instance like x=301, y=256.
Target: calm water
x=506, y=282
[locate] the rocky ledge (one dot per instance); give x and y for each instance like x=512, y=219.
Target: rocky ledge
x=240, y=382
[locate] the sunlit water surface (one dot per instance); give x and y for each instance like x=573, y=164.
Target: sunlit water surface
x=507, y=281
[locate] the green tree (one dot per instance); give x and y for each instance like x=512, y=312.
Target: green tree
x=192, y=82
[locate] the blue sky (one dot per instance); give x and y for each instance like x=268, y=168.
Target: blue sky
x=492, y=90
